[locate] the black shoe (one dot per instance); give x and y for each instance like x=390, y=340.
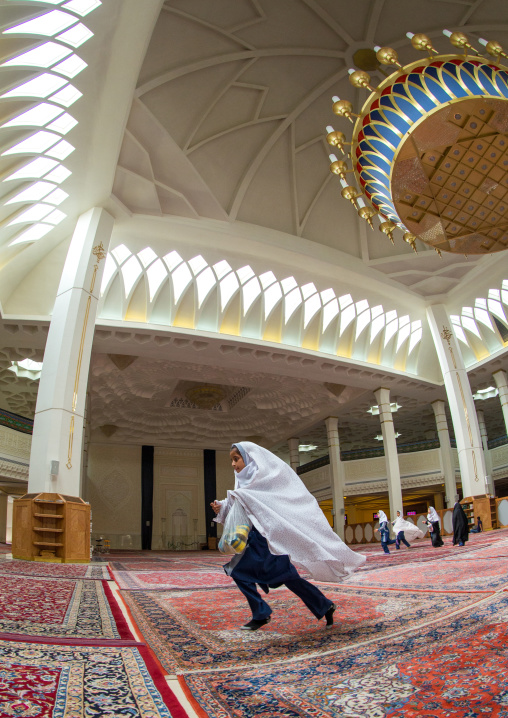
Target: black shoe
x=329, y=615
x=254, y=625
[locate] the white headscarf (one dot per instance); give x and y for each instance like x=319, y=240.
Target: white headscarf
x=288, y=516
x=411, y=531
x=432, y=515
x=382, y=517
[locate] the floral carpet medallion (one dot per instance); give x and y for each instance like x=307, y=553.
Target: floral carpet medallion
x=57, y=608
x=53, y=570
x=172, y=579
x=455, y=669
x=56, y=681
x=194, y=629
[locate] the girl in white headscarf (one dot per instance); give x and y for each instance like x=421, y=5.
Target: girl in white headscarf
x=403, y=527
x=435, y=528
x=287, y=525
x=384, y=530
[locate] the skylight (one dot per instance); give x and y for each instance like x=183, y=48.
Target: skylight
x=76, y=36
x=228, y=286
x=330, y=312
x=251, y=292
x=272, y=296
x=109, y=270
x=292, y=301
x=63, y=124
x=33, y=170
x=32, y=214
x=71, y=67
x=57, y=197
x=288, y=284
x=266, y=279
x=308, y=289
x=35, y=144
x=312, y=306
x=36, y=231
x=173, y=259
x=39, y=115
x=156, y=274
x=206, y=282
x=40, y=86
x=244, y=274
x=48, y=24
x=221, y=269
x=82, y=7
x=130, y=271
x=56, y=217
x=35, y=192
x=147, y=256
x=121, y=253
x=43, y=56
x=62, y=150
x=59, y=174
x=29, y=364
x=67, y=96
x=181, y=277
x=197, y=264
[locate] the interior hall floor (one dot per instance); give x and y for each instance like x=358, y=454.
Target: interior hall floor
x=419, y=632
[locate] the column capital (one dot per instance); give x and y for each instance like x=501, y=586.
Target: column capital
x=382, y=395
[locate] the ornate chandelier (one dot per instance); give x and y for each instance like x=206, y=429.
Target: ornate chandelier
x=430, y=148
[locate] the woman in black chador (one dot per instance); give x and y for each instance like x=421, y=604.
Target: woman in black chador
x=460, y=525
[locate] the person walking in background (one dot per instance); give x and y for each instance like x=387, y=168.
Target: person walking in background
x=384, y=530
x=460, y=525
x=435, y=528
x=401, y=527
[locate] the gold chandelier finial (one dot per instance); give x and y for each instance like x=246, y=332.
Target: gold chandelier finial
x=336, y=139
x=458, y=39
x=388, y=228
x=421, y=42
x=494, y=48
x=365, y=212
x=343, y=108
x=338, y=167
x=360, y=78
x=387, y=56
x=410, y=238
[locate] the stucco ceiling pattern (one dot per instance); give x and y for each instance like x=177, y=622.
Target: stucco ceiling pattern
x=231, y=106
x=140, y=403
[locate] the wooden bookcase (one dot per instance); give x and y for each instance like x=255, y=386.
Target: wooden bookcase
x=51, y=527
x=483, y=506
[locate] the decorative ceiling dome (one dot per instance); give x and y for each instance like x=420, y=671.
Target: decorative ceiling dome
x=430, y=150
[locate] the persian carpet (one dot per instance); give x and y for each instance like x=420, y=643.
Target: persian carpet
x=455, y=668
x=62, y=681
x=58, y=608
x=192, y=629
x=146, y=580
x=53, y=570
x=465, y=574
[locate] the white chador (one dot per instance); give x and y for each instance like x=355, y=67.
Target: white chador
x=411, y=531
x=288, y=516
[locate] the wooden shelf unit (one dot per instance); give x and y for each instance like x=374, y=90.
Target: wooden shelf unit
x=483, y=506
x=51, y=527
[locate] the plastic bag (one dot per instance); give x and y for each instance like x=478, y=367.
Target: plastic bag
x=236, y=530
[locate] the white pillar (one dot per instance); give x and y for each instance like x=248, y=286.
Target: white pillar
x=294, y=453
x=58, y=424
x=338, y=475
x=460, y=401
x=390, y=449
x=445, y=451
x=502, y=385
x=489, y=481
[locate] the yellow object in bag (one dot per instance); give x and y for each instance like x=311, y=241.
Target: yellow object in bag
x=239, y=539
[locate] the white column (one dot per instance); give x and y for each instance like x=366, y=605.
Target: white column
x=489, y=481
x=294, y=454
x=460, y=401
x=338, y=475
x=390, y=449
x=445, y=451
x=58, y=424
x=502, y=385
